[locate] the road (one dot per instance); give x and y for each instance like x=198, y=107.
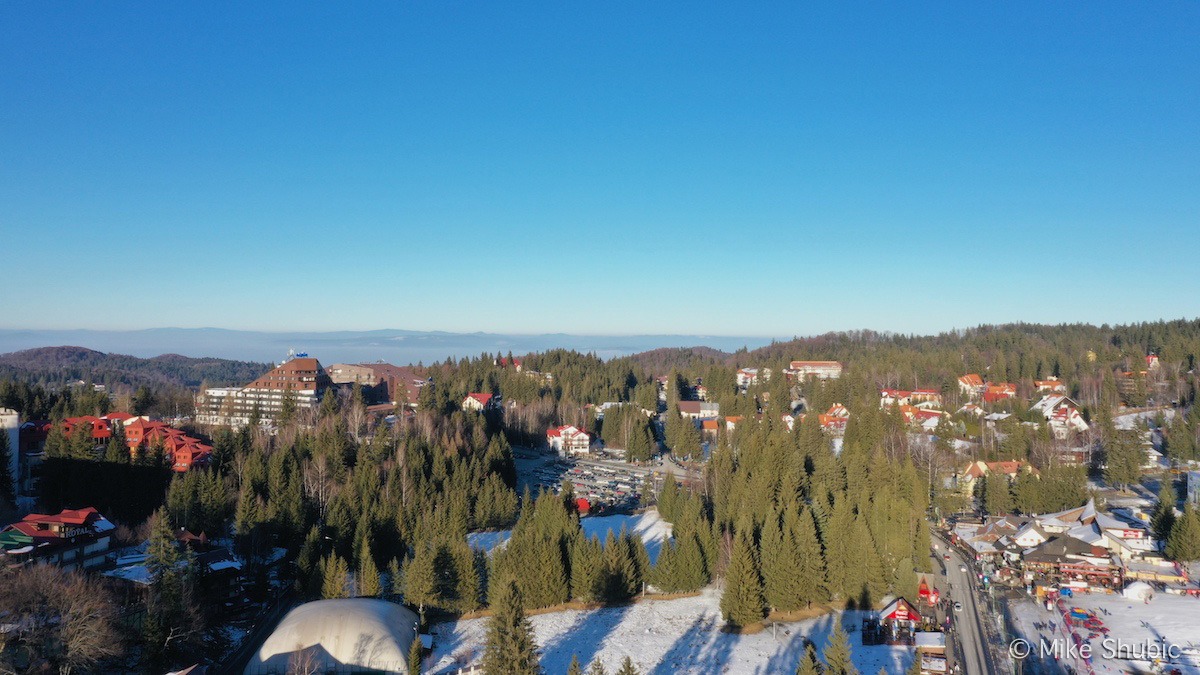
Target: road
x=968, y=624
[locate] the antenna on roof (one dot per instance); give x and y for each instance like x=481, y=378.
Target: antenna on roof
x=290, y=355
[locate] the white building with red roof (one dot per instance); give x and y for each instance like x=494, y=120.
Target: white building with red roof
x=568, y=440
x=479, y=402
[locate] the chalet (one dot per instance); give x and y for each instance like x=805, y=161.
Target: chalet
x=78, y=538
x=480, y=402
x=970, y=409
x=926, y=396
x=1062, y=414
x=898, y=622
x=822, y=370
x=732, y=421
x=971, y=385
x=1068, y=561
x=699, y=410
x=967, y=478
x=181, y=451
x=1151, y=362
x=994, y=392
x=894, y=397
x=747, y=377
x=709, y=428
x=1051, y=385
x=568, y=440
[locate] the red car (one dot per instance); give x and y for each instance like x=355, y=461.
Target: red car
x=946, y=557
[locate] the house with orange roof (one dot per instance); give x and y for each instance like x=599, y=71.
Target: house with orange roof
x=971, y=385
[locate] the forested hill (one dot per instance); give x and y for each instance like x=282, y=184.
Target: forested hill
x=62, y=365
x=1009, y=351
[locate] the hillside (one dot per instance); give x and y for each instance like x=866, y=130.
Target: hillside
x=61, y=365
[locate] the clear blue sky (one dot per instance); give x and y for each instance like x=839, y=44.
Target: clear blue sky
x=598, y=167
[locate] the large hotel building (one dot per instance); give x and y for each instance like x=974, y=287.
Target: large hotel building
x=302, y=378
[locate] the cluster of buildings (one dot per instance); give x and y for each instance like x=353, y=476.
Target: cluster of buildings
x=182, y=451
x=1077, y=550
x=974, y=388
x=822, y=370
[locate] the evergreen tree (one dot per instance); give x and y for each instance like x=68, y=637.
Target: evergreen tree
x=627, y=667
x=8, y=497
x=333, y=583
x=574, y=668
x=421, y=579
x=742, y=601
x=811, y=575
x=1183, y=544
x=837, y=652
x=368, y=574
x=597, y=668
x=809, y=665
x=415, y=654
x=997, y=500
x=1163, y=517
x=510, y=648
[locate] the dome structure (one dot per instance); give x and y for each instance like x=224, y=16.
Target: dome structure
x=344, y=636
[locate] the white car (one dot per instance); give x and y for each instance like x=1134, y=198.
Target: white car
x=962, y=568
x=958, y=606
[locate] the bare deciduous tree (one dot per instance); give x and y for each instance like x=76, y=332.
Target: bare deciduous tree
x=60, y=617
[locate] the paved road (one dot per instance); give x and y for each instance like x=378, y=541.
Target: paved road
x=968, y=624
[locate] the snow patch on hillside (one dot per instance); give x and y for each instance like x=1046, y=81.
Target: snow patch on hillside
x=663, y=637
x=649, y=526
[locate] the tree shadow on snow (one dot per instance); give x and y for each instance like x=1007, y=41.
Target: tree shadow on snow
x=584, y=638
x=703, y=648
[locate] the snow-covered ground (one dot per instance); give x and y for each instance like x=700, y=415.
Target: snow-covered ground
x=665, y=636
x=1167, y=621
x=649, y=525
x=1128, y=420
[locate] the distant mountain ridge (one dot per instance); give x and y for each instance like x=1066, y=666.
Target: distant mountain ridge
x=400, y=347
x=57, y=365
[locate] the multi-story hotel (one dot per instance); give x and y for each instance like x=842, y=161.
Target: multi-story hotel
x=302, y=379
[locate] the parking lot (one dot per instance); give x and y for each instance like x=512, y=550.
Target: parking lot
x=608, y=485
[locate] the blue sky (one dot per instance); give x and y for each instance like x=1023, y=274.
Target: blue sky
x=613, y=168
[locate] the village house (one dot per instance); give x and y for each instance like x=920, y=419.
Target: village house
x=699, y=410
x=1051, y=385
x=967, y=478
x=822, y=370
x=971, y=385
x=73, y=538
x=480, y=402
x=747, y=377
x=732, y=421
x=568, y=440
x=1062, y=414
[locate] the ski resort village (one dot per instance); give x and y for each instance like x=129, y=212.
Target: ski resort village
x=672, y=512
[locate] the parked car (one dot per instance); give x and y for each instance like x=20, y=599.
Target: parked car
x=958, y=606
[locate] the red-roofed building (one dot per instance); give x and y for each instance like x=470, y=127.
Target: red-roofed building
x=971, y=385
x=999, y=391
x=568, y=440
x=181, y=451
x=479, y=402
x=72, y=538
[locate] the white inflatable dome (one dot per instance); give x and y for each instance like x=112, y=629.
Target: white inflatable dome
x=1138, y=590
x=352, y=635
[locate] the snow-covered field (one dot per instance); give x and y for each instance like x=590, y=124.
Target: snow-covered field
x=1166, y=621
x=649, y=525
x=662, y=637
